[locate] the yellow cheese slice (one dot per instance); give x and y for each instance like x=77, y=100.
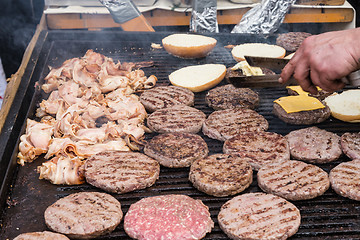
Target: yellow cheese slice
x=299, y=90
x=299, y=103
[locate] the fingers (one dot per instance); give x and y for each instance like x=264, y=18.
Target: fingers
x=322, y=60
x=300, y=70
x=287, y=71
x=331, y=85
x=307, y=84
x=323, y=81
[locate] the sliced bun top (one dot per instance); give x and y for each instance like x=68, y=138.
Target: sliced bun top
x=188, y=40
x=188, y=45
x=198, y=78
x=345, y=106
x=257, y=49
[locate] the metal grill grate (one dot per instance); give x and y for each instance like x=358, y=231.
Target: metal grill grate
x=326, y=217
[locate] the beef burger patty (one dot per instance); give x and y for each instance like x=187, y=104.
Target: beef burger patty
x=224, y=124
x=221, y=174
x=121, y=172
x=178, y=118
x=350, y=144
x=321, y=94
x=228, y=96
x=291, y=41
x=259, y=148
x=345, y=179
x=176, y=149
x=168, y=217
x=166, y=96
x=84, y=215
x=293, y=180
x=259, y=216
x=302, y=117
x=314, y=145
x=45, y=235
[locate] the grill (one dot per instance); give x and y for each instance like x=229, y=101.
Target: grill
x=24, y=197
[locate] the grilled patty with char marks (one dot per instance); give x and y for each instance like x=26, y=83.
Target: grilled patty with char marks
x=121, y=172
x=84, y=215
x=221, y=175
x=45, y=235
x=166, y=96
x=293, y=180
x=228, y=96
x=254, y=216
x=176, y=149
x=260, y=148
x=178, y=118
x=345, y=179
x=224, y=124
x=314, y=145
x=350, y=144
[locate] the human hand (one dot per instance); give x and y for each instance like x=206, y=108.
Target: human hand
x=322, y=60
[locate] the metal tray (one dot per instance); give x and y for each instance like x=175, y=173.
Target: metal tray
x=24, y=197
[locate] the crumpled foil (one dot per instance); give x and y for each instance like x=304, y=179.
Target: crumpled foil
x=121, y=10
x=264, y=18
x=204, y=16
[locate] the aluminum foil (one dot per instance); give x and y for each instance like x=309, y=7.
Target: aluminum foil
x=204, y=16
x=264, y=18
x=121, y=10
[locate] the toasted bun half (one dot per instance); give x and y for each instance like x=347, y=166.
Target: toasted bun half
x=258, y=50
x=198, y=78
x=188, y=45
x=345, y=106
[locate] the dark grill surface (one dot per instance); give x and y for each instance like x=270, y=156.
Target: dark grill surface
x=326, y=217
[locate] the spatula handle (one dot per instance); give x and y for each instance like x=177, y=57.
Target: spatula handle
x=352, y=79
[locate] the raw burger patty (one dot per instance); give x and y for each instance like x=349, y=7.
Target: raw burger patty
x=176, y=149
x=121, y=172
x=166, y=96
x=350, y=144
x=84, y=215
x=221, y=174
x=178, y=118
x=228, y=96
x=46, y=235
x=224, y=124
x=291, y=41
x=314, y=145
x=345, y=179
x=168, y=217
x=259, y=216
x=303, y=117
x=260, y=148
x=293, y=180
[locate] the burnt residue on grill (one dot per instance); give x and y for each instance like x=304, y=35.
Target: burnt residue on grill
x=24, y=197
